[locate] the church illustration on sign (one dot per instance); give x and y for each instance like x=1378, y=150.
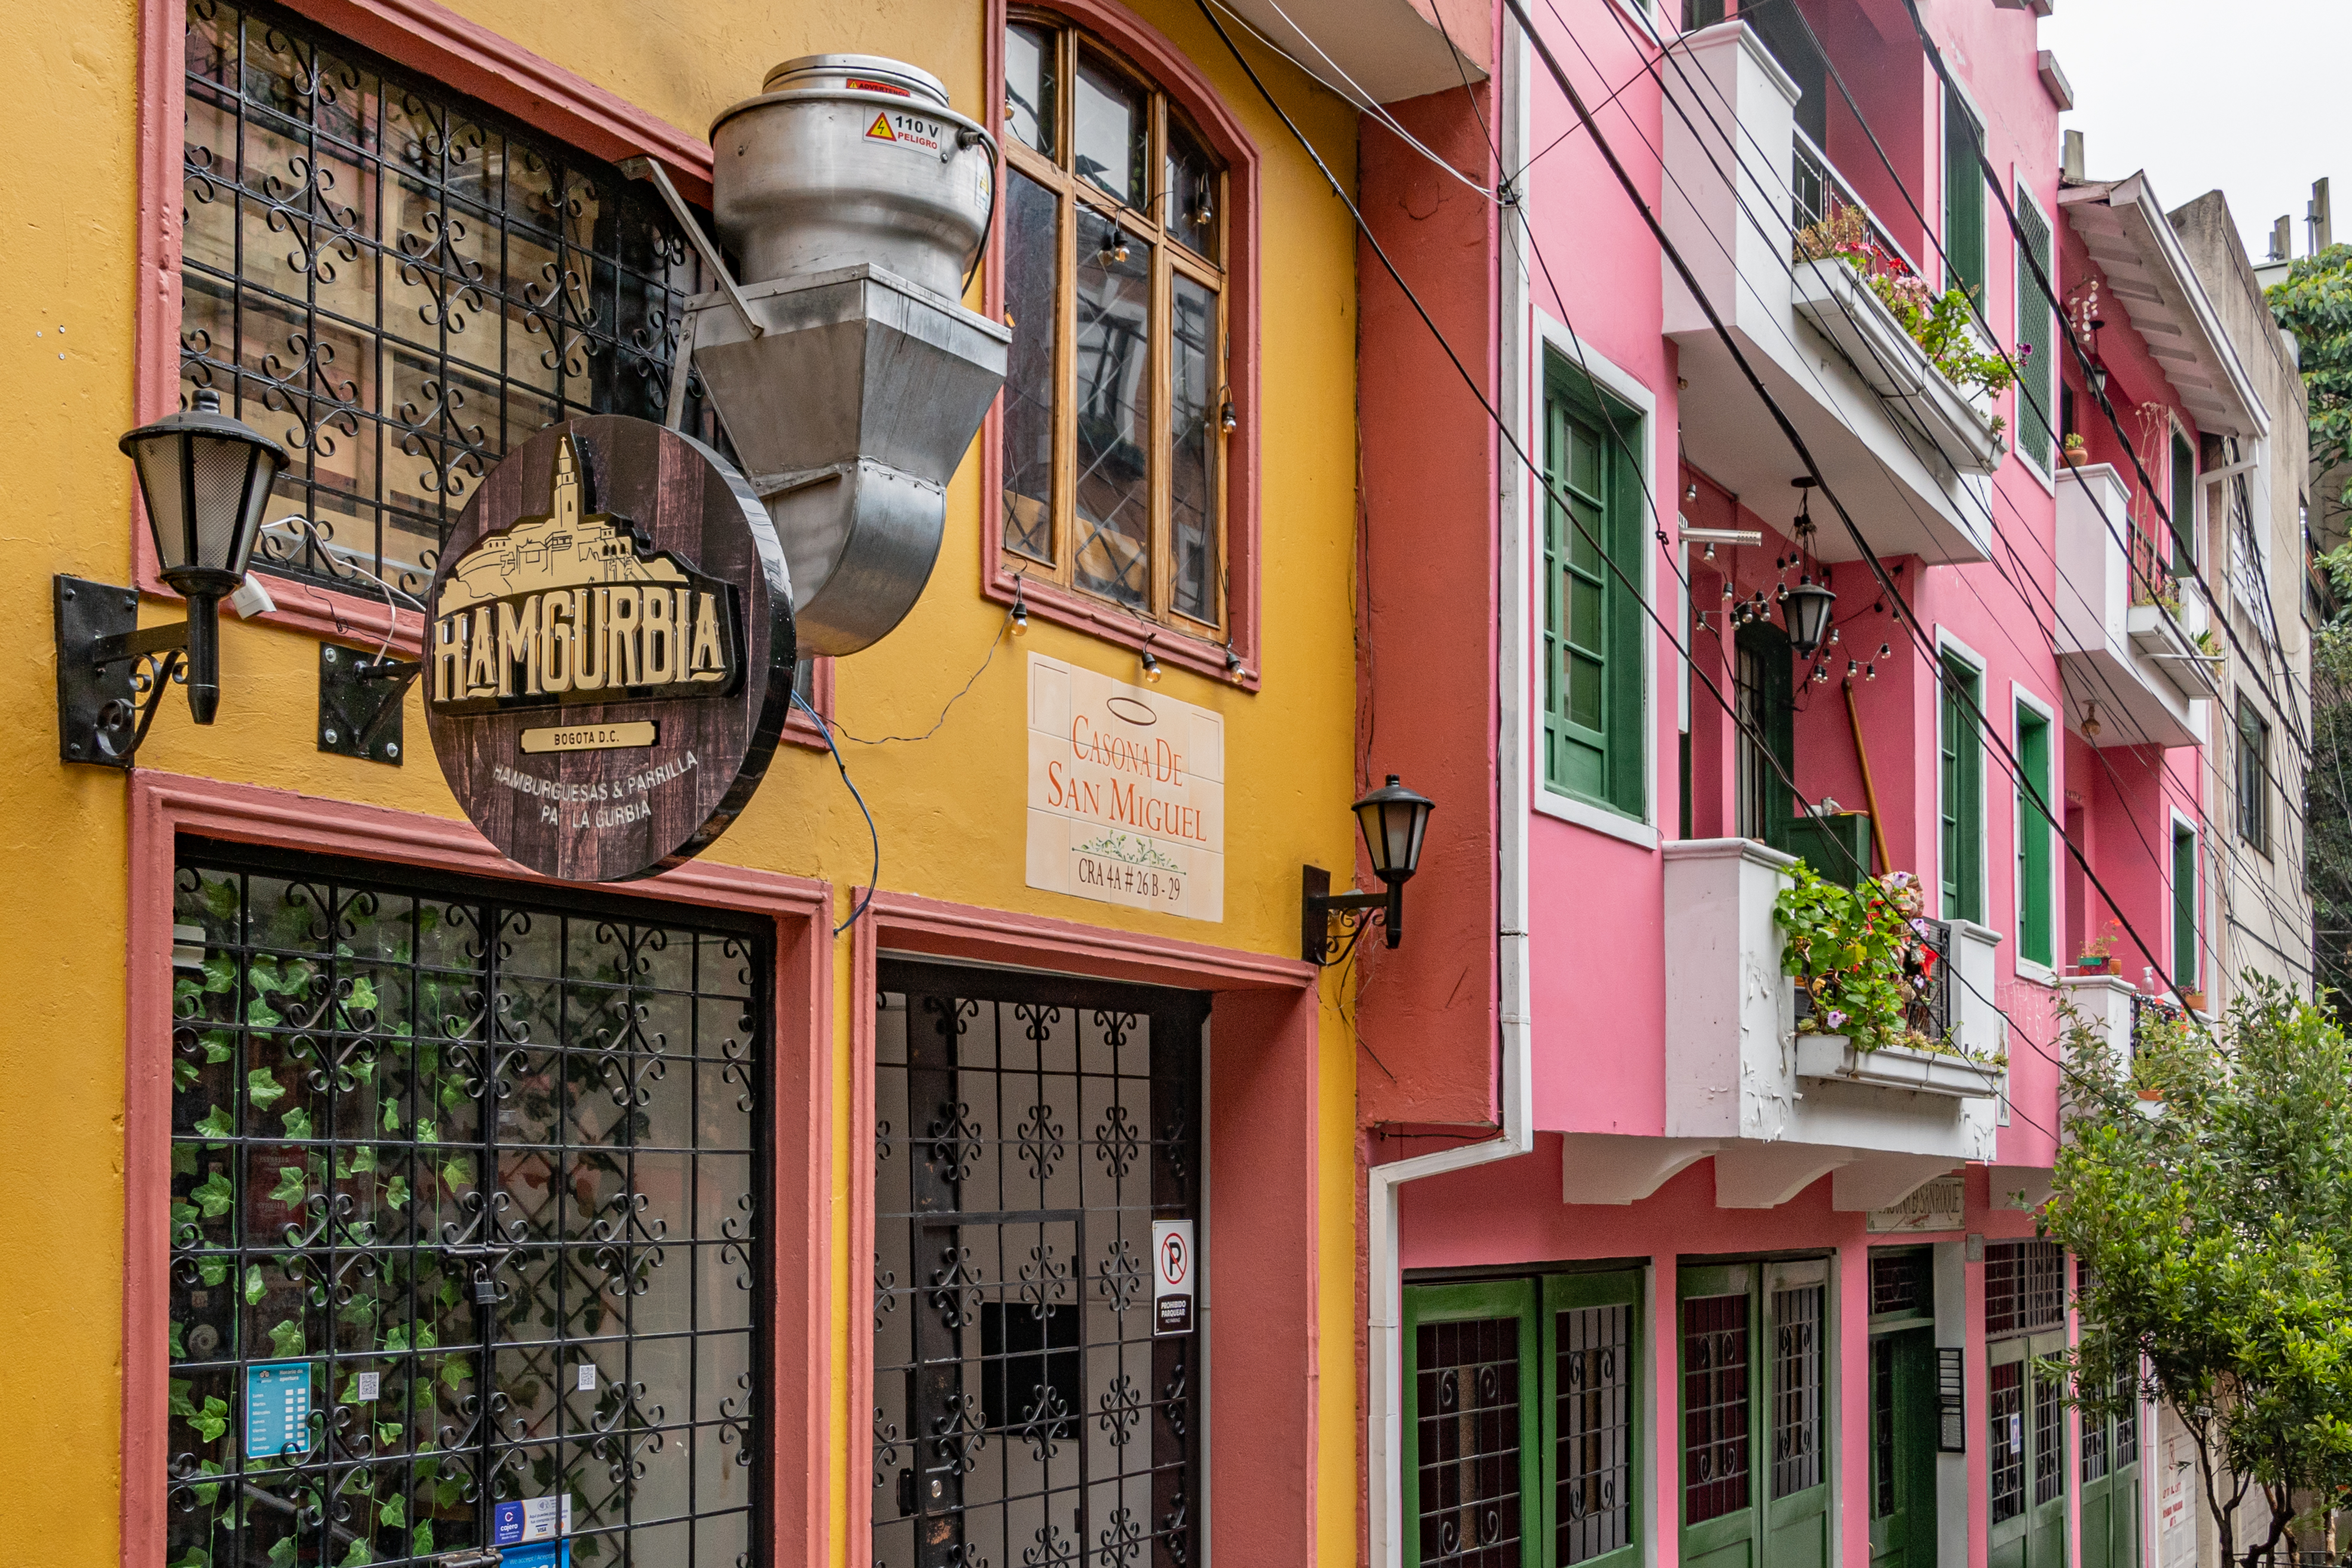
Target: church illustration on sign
x=564, y=549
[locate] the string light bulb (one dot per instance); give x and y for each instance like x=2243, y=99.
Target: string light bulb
x=1019, y=610
x=1150, y=665
x=1114, y=250
x=1227, y=420
x=1234, y=665
x=1690, y=491
x=1709, y=554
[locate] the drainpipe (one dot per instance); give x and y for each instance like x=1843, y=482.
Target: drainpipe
x=1385, y=1396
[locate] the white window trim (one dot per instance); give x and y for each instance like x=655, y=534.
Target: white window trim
x=1552, y=335
x=2180, y=820
x=1947, y=642
x=2027, y=968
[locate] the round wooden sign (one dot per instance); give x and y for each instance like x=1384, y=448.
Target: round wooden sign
x=609, y=661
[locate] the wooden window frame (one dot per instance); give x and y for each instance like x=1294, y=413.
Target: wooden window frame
x=427, y=39
x=1164, y=70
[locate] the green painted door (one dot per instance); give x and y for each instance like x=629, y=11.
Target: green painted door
x=1903, y=1419
x=1520, y=1429
x=1755, y=1350
x=2027, y=1517
x=2111, y=1494
x=1471, y=1490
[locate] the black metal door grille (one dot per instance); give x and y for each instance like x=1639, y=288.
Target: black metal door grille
x=1594, y=1417
x=2006, y=1408
x=1797, y=1389
x=1468, y=1400
x=1714, y=1406
x=413, y=1121
x=1029, y=1130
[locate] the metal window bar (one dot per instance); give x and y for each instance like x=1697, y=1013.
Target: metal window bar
x=1902, y=1280
x=1820, y=193
x=2049, y=1440
x=400, y=284
x=1028, y=1132
x=417, y=1124
x=1468, y=1432
x=1931, y=1015
x=1714, y=1406
x=1882, y=1427
x=2007, y=1462
x=2025, y=1287
x=1797, y=1389
x=1593, y=1459
x=2127, y=1438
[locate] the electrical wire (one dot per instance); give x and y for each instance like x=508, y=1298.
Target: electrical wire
x=874, y=880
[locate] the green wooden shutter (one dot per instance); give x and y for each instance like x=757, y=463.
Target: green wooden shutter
x=1963, y=809
x=1964, y=198
x=2037, y=361
x=2184, y=505
x=1595, y=697
x=2036, y=940
x=2184, y=907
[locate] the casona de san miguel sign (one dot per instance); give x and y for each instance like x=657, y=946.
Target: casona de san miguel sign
x=609, y=662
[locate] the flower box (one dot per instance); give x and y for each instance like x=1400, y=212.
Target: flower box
x=1832, y=296
x=1894, y=1066
x=2102, y=964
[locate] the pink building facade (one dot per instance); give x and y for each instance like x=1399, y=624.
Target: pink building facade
x=1656, y=1276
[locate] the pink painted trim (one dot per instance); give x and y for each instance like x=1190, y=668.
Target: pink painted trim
x=903, y=923
x=433, y=41
x=1151, y=51
x=162, y=807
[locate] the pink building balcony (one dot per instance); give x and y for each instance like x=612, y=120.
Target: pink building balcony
x=1907, y=452
x=2132, y=664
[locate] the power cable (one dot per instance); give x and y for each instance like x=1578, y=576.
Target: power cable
x=874, y=880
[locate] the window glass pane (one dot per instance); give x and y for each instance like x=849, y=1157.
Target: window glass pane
x=1031, y=261
x=2007, y=1460
x=1192, y=210
x=1714, y=1406
x=1114, y=411
x=1593, y=1378
x=1032, y=92
x=1797, y=1390
x=1114, y=131
x=1191, y=476
x=2184, y=909
x=2049, y=1440
x=1466, y=1397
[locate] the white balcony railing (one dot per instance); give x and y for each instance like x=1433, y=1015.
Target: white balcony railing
x=2136, y=674
x=1782, y=1109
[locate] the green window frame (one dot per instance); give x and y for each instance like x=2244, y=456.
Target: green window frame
x=1961, y=864
x=2184, y=505
x=1964, y=199
x=2184, y=907
x=1763, y=692
x=1541, y=1465
x=2253, y=776
x=2036, y=912
x=2036, y=340
x=1595, y=695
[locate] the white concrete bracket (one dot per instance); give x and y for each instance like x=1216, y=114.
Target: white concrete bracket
x=1620, y=1168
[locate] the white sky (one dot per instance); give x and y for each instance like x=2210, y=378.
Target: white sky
x=2247, y=96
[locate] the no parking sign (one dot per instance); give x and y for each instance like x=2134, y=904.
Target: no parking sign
x=1172, y=1263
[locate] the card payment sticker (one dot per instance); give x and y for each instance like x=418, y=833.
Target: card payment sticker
x=529, y=1520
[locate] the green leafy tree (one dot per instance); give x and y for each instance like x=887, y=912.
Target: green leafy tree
x=2315, y=303
x=2206, y=1190
x=2327, y=808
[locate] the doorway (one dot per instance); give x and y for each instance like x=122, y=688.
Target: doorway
x=1904, y=1407
x=1036, y=1158
x=1756, y=1348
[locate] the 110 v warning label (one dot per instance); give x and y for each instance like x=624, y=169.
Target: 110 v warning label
x=912, y=132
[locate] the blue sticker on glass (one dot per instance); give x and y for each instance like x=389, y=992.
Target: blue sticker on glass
x=277, y=1409
x=539, y=1554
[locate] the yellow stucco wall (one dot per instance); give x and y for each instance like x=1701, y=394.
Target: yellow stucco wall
x=949, y=810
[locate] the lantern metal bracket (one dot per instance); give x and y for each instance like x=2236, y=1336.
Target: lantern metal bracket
x=1319, y=906
x=111, y=672
x=363, y=704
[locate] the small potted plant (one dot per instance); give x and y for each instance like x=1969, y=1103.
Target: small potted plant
x=2074, y=451
x=2098, y=954
x=2193, y=1000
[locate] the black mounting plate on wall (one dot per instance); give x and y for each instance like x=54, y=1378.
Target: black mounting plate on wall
x=87, y=614
x=362, y=703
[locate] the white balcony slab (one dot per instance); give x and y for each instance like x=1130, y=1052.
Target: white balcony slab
x=2133, y=662
x=1909, y=461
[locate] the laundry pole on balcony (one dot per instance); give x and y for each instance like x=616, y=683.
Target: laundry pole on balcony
x=1869, y=788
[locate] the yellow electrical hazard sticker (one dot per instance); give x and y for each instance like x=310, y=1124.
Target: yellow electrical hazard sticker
x=910, y=132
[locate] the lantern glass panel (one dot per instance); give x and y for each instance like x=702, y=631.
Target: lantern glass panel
x=228, y=499
x=159, y=482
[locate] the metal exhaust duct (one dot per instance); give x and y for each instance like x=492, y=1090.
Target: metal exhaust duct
x=850, y=379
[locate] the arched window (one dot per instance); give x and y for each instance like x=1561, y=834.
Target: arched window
x=1115, y=400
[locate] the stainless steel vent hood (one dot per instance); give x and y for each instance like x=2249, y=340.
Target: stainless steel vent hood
x=850, y=379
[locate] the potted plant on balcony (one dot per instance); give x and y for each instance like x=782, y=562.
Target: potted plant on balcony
x=2074, y=451
x=2098, y=956
x=1943, y=325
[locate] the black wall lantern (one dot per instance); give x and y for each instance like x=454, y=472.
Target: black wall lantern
x=206, y=478
x=1395, y=820
x=1806, y=607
